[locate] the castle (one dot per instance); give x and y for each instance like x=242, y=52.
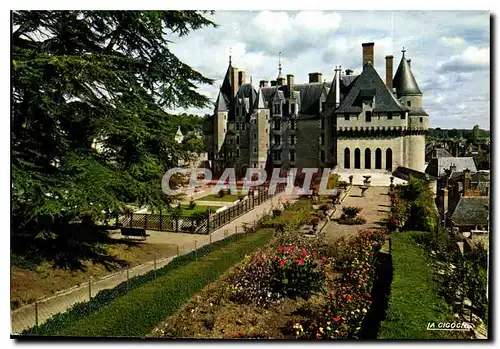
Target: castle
x=356, y=123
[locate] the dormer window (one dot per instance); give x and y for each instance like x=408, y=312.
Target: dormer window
x=408, y=103
x=403, y=116
x=277, y=108
x=277, y=124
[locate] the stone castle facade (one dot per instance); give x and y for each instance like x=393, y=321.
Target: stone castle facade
x=356, y=123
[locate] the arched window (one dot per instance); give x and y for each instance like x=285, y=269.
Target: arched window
x=347, y=158
x=357, y=158
x=378, y=159
x=368, y=158
x=388, y=159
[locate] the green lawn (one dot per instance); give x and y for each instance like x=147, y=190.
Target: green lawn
x=414, y=301
x=135, y=313
x=225, y=198
x=186, y=211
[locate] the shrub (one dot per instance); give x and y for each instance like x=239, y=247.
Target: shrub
x=314, y=220
x=351, y=211
x=221, y=193
x=351, y=221
x=192, y=204
x=275, y=273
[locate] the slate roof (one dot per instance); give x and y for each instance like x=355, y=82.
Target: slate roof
x=226, y=84
x=221, y=103
x=369, y=82
x=405, y=173
x=471, y=210
x=309, y=96
x=438, y=166
x=417, y=111
x=404, y=81
x=440, y=153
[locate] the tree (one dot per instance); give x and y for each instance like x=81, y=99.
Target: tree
x=89, y=130
x=474, y=135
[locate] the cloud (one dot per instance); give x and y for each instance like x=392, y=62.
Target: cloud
x=449, y=52
x=471, y=59
x=453, y=40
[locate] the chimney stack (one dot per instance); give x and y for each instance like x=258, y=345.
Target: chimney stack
x=467, y=180
x=290, y=79
x=315, y=77
x=263, y=83
x=234, y=80
x=273, y=82
x=388, y=71
x=348, y=71
x=241, y=78
x=368, y=55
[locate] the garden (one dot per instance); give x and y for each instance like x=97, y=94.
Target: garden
x=297, y=286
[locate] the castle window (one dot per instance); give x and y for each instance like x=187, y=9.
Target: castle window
x=293, y=125
x=378, y=159
x=322, y=139
x=224, y=117
x=224, y=130
x=403, y=116
x=292, y=108
x=408, y=103
x=421, y=119
x=277, y=108
x=277, y=124
x=237, y=139
x=322, y=156
x=255, y=136
x=368, y=116
x=242, y=126
x=237, y=126
x=292, y=155
x=292, y=140
x=347, y=158
x=254, y=149
x=277, y=140
x=389, y=116
x=388, y=159
x=323, y=106
x=368, y=158
x=346, y=117
x=237, y=153
x=357, y=158
x=322, y=124
x=277, y=155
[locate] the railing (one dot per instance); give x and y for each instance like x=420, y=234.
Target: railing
x=199, y=225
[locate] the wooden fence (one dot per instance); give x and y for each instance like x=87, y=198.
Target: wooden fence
x=199, y=225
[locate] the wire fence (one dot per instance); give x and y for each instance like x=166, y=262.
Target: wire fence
x=94, y=293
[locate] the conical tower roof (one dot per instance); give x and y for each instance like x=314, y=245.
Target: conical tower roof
x=404, y=81
x=221, y=103
x=261, y=103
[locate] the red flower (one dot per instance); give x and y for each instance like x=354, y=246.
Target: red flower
x=323, y=260
x=349, y=297
x=282, y=263
x=300, y=261
x=314, y=254
x=332, y=292
x=336, y=318
x=304, y=254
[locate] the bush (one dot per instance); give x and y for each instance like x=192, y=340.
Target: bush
x=276, y=273
x=351, y=211
x=351, y=221
x=192, y=204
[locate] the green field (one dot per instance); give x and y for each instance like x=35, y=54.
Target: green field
x=414, y=301
x=134, y=314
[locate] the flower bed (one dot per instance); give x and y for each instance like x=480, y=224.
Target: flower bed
x=294, y=288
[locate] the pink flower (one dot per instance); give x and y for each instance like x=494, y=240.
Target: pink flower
x=349, y=297
x=282, y=263
x=336, y=318
x=315, y=254
x=332, y=293
x=300, y=261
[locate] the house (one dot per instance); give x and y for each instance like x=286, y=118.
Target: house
x=436, y=152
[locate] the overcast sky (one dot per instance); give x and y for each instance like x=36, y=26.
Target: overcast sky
x=449, y=52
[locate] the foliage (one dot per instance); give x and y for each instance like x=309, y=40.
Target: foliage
x=151, y=299
x=349, y=297
x=89, y=131
x=276, y=273
x=192, y=204
x=351, y=221
x=351, y=211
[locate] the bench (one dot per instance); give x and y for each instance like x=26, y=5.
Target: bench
x=136, y=232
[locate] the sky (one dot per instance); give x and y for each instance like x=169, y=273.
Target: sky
x=449, y=52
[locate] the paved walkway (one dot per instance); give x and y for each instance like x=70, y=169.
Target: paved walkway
x=377, y=179
x=375, y=209
x=24, y=317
